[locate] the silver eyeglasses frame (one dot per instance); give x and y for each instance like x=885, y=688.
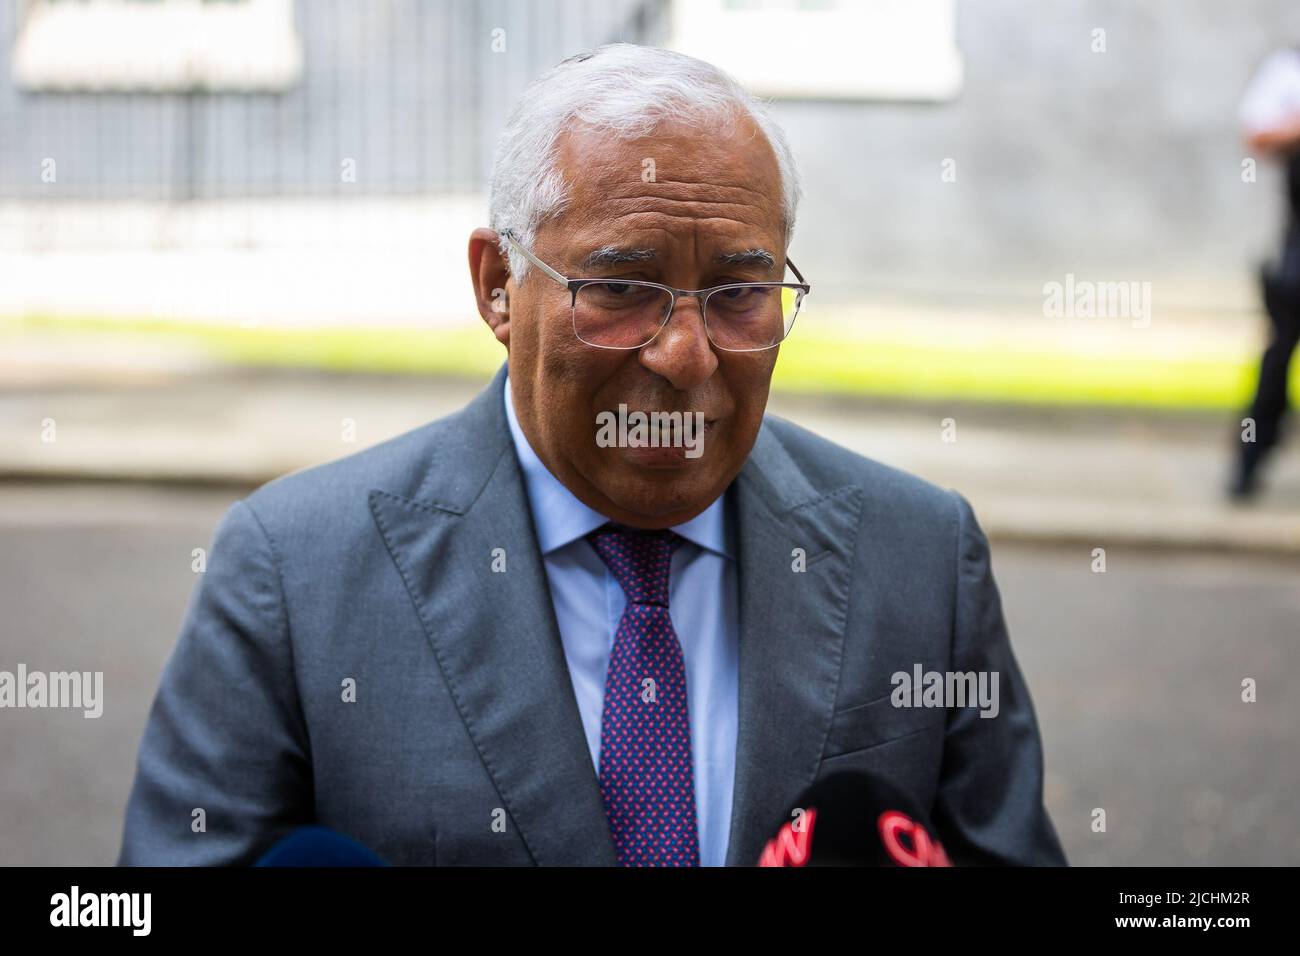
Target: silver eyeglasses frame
x=802, y=288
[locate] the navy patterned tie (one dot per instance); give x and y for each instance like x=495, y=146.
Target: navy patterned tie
x=645, y=728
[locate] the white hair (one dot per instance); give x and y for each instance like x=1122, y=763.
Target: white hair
x=627, y=91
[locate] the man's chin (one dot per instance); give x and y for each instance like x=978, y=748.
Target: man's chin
x=661, y=459
x=659, y=497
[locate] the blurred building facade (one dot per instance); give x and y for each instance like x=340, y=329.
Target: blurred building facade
x=412, y=91
x=1087, y=137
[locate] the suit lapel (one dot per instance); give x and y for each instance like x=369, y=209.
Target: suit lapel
x=494, y=634
x=791, y=635
x=496, y=641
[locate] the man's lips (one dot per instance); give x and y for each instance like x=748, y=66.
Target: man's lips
x=656, y=438
x=666, y=416
x=667, y=425
x=634, y=414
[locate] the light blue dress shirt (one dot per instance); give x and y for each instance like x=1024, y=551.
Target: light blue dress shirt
x=702, y=603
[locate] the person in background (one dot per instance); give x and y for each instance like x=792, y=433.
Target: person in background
x=1270, y=115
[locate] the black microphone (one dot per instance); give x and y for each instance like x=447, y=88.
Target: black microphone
x=852, y=818
x=318, y=846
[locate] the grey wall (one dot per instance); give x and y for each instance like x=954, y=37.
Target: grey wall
x=1125, y=164
x=410, y=89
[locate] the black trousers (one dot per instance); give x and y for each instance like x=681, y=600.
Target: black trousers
x=1282, y=300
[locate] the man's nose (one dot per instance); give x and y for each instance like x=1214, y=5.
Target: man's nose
x=681, y=352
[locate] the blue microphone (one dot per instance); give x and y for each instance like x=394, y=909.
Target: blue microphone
x=318, y=846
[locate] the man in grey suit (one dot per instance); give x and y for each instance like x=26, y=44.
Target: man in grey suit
x=609, y=613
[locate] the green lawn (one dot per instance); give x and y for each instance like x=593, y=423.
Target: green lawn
x=808, y=363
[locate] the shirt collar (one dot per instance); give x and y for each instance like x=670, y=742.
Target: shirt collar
x=560, y=518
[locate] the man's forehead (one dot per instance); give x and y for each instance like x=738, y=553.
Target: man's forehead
x=633, y=201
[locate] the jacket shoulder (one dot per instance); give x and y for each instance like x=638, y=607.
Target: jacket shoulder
x=322, y=495
x=829, y=466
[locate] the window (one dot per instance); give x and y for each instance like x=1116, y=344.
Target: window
x=157, y=45
x=837, y=49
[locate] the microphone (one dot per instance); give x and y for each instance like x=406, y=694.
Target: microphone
x=851, y=818
x=318, y=846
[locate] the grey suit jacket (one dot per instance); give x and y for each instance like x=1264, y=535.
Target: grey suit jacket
x=463, y=744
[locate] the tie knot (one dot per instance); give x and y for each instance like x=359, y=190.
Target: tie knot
x=639, y=560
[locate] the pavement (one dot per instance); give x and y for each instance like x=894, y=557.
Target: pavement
x=1057, y=475
x=1135, y=676
x=114, y=467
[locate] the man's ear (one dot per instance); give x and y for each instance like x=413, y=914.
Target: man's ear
x=490, y=272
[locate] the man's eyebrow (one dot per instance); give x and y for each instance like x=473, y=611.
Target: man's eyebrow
x=748, y=257
x=617, y=256
x=622, y=255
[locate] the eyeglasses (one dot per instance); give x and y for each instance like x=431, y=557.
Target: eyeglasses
x=629, y=313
